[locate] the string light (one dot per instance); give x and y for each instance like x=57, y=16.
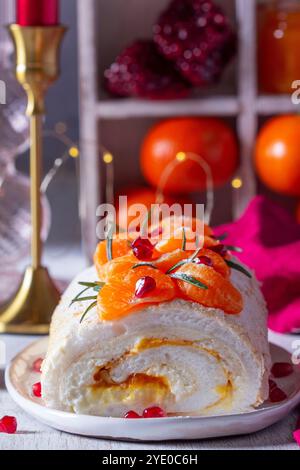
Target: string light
x=108, y=158
x=237, y=183
x=181, y=156
x=74, y=152
x=71, y=150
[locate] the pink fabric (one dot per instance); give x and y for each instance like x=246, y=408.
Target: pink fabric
x=270, y=239
x=296, y=433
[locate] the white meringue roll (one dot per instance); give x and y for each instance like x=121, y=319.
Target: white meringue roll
x=179, y=355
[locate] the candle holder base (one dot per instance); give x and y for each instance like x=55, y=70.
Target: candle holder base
x=31, y=309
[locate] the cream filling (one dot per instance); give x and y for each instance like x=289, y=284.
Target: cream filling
x=134, y=381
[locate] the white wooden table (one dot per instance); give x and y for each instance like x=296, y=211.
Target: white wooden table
x=33, y=435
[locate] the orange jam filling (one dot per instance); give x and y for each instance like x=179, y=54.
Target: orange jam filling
x=140, y=380
x=148, y=343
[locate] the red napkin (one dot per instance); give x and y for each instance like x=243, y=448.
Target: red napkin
x=270, y=239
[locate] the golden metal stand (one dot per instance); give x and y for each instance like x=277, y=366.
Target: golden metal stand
x=37, y=67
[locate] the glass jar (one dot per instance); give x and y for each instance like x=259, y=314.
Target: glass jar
x=278, y=45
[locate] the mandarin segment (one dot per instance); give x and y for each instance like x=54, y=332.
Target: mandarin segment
x=170, y=224
x=116, y=266
x=120, y=247
x=220, y=293
x=168, y=260
x=117, y=298
x=175, y=242
x=218, y=263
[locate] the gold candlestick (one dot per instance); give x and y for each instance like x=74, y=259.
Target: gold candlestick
x=37, y=67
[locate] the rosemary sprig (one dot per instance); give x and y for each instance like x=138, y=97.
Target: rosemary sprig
x=109, y=243
x=183, y=246
x=96, y=286
x=238, y=267
x=82, y=299
x=184, y=261
x=139, y=265
x=87, y=310
x=194, y=256
x=145, y=222
x=178, y=265
x=237, y=249
x=222, y=237
x=189, y=279
x=78, y=295
x=120, y=229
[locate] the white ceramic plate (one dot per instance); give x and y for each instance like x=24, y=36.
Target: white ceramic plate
x=19, y=378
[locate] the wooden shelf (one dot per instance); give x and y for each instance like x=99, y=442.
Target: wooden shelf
x=271, y=104
x=98, y=45
x=130, y=108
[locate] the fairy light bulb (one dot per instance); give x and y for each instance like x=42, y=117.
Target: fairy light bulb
x=74, y=152
x=108, y=158
x=181, y=156
x=237, y=183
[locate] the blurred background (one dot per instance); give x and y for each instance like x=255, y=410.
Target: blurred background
x=144, y=84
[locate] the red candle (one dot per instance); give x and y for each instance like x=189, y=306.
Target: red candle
x=37, y=12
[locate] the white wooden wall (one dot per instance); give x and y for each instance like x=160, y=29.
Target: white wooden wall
x=104, y=29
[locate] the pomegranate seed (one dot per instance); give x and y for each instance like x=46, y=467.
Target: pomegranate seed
x=8, y=424
x=37, y=389
x=142, y=249
x=220, y=249
x=276, y=395
x=154, y=412
x=36, y=366
x=204, y=260
x=282, y=369
x=144, y=286
x=132, y=415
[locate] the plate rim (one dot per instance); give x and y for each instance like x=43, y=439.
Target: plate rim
x=37, y=410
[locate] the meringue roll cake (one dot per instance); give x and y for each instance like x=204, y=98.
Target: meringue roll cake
x=159, y=325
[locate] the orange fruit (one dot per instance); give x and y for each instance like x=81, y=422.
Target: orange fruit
x=117, y=297
x=220, y=293
x=277, y=156
x=210, y=138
